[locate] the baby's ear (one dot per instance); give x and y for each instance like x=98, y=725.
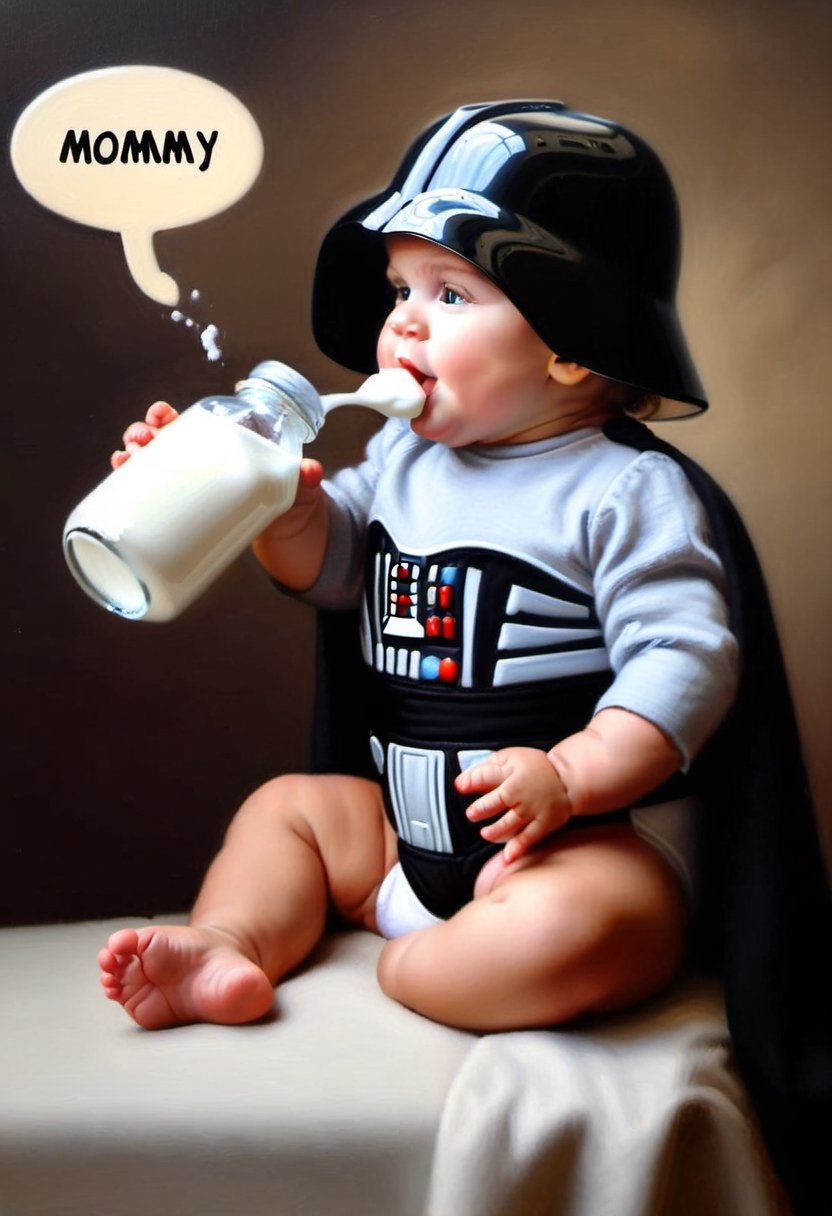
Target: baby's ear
x=566, y=373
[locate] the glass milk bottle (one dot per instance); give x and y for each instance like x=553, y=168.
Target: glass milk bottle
x=151, y=537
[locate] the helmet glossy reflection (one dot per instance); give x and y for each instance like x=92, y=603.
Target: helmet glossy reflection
x=572, y=216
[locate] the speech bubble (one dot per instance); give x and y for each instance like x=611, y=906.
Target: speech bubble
x=137, y=150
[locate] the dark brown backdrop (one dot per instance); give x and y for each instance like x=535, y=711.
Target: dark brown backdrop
x=130, y=745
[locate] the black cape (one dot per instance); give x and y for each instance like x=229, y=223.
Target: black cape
x=765, y=920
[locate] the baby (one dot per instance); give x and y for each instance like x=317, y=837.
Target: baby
x=543, y=616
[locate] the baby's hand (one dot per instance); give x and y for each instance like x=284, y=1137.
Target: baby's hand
x=291, y=548
x=309, y=481
x=307, y=499
x=522, y=782
x=139, y=434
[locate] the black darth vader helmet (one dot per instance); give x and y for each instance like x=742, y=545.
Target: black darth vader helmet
x=572, y=216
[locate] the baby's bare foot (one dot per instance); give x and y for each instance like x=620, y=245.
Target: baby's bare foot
x=170, y=974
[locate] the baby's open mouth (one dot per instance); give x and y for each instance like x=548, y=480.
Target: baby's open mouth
x=426, y=382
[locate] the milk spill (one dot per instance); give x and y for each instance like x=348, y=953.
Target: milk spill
x=208, y=335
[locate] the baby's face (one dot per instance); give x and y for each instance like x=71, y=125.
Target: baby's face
x=484, y=369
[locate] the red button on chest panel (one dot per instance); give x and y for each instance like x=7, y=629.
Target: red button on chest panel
x=448, y=671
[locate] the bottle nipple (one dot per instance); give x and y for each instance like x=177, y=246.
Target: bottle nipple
x=393, y=391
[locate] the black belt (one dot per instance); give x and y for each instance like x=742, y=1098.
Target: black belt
x=536, y=714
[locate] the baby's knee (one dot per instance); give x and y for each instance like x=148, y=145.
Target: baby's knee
x=280, y=800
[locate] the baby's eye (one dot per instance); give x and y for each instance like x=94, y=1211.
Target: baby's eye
x=450, y=296
x=401, y=292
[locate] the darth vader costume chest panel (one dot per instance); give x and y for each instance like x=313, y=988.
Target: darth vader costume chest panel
x=471, y=649
x=472, y=618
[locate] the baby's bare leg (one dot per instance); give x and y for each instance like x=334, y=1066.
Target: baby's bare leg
x=593, y=923
x=296, y=847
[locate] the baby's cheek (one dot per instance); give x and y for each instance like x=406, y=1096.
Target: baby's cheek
x=467, y=360
x=386, y=347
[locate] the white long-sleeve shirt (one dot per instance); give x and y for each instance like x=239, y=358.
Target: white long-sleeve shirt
x=624, y=527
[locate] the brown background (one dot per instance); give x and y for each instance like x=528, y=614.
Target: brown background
x=130, y=745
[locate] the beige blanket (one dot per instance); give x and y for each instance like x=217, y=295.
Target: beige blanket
x=345, y=1104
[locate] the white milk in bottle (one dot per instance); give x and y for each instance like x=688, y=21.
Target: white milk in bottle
x=153, y=535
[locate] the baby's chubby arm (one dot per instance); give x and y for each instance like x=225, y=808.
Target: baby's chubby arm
x=617, y=759
x=292, y=547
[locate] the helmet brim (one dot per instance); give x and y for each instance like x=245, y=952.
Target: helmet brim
x=641, y=337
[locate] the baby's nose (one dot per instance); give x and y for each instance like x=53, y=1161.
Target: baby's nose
x=408, y=320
